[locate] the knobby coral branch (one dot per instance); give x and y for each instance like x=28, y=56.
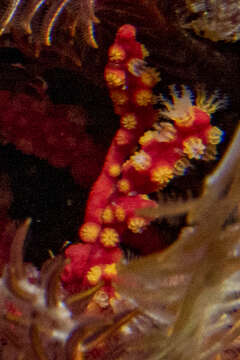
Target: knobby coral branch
x=166, y=142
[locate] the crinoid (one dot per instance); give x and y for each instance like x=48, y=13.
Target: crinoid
x=192, y=289
x=38, y=320
x=44, y=23
x=215, y=19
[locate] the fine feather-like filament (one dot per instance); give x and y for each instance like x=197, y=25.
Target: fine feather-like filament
x=31, y=10
x=51, y=19
x=83, y=16
x=205, y=308
x=41, y=18
x=9, y=14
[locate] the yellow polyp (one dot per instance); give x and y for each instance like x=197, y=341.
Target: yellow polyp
x=137, y=224
x=185, y=121
x=150, y=77
x=115, y=78
x=180, y=166
x=214, y=135
x=147, y=137
x=94, y=275
x=107, y=215
x=123, y=186
x=114, y=170
x=209, y=104
x=193, y=147
x=110, y=270
x=121, y=138
x=109, y=237
x=145, y=52
x=166, y=132
x=144, y=197
x=129, y=121
x=119, y=97
x=89, y=232
x=136, y=66
x=143, y=97
x=141, y=161
x=162, y=175
x=116, y=53
x=120, y=213
x=180, y=109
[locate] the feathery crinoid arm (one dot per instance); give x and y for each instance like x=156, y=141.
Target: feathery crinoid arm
x=191, y=291
x=45, y=23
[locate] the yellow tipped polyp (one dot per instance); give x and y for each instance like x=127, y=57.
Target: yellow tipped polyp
x=162, y=175
x=94, y=275
x=109, y=237
x=136, y=224
x=89, y=232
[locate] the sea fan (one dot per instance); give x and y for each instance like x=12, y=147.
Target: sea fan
x=191, y=291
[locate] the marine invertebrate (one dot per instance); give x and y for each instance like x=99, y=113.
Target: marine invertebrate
x=165, y=150
x=215, y=20
x=194, y=293
x=36, y=21
x=38, y=319
x=128, y=177
x=103, y=195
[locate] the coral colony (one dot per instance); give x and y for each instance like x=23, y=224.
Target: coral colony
x=151, y=148
x=147, y=152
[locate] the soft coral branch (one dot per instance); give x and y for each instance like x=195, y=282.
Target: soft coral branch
x=165, y=149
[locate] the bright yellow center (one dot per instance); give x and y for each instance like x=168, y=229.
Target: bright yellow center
x=89, y=232
x=162, y=175
x=109, y=237
x=107, y=215
x=193, y=147
x=94, y=275
x=129, y=121
x=123, y=186
x=143, y=97
x=120, y=213
x=136, y=224
x=114, y=170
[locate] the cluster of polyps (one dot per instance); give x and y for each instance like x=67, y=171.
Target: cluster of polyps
x=39, y=320
x=164, y=151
